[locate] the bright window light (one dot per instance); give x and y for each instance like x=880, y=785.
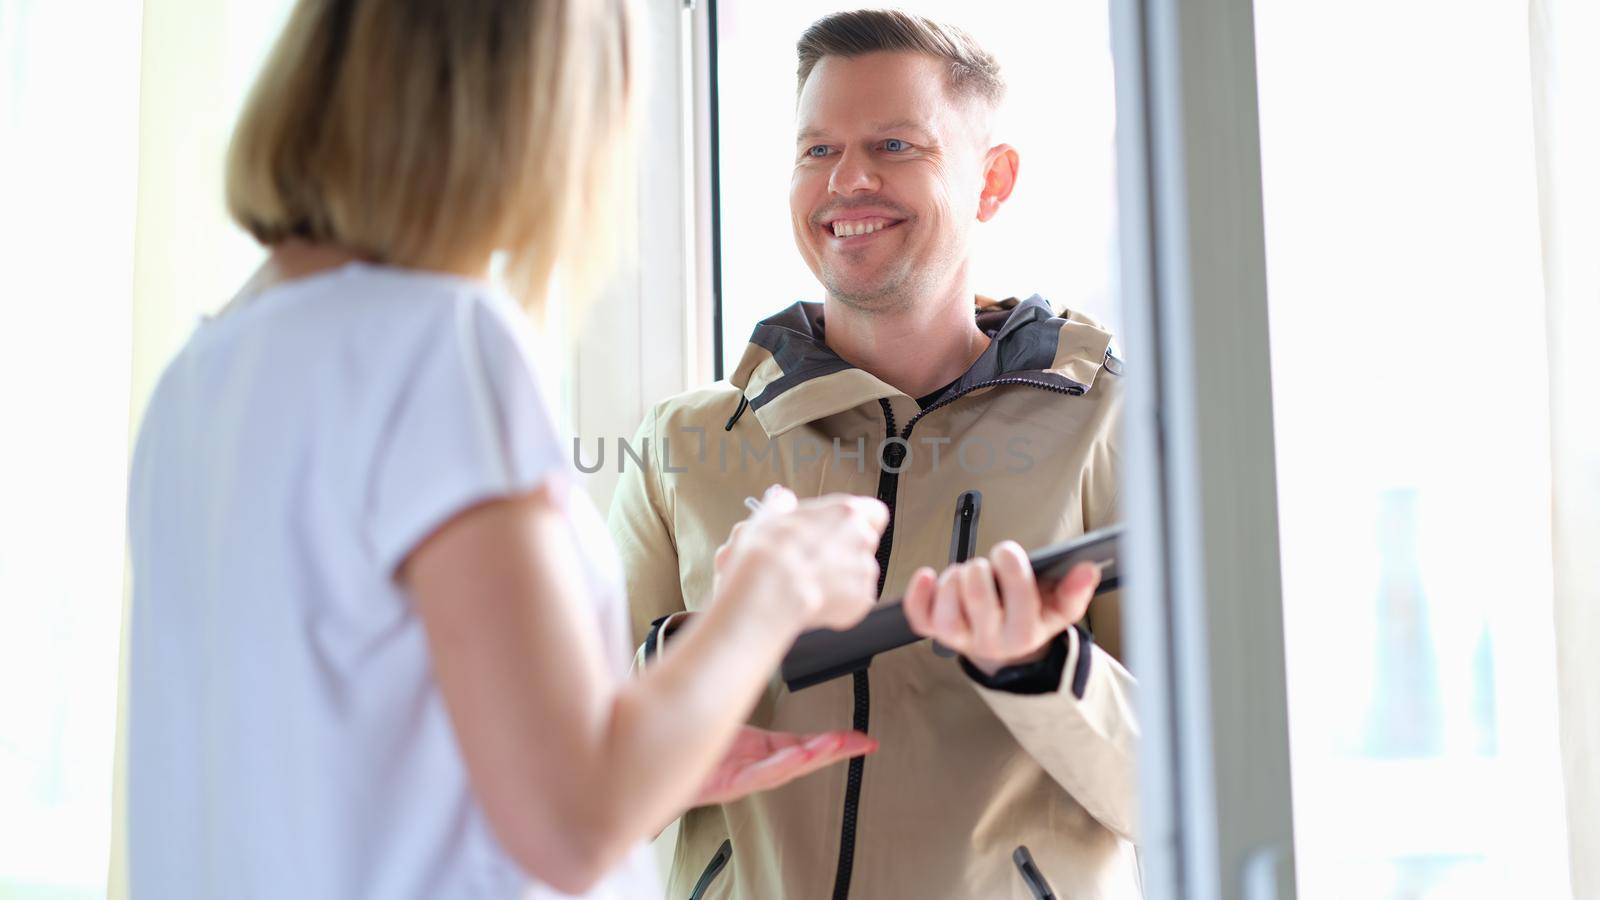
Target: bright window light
x=68, y=158
x=1409, y=383
x=77, y=134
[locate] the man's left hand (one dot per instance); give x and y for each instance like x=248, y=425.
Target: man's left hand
x=992, y=627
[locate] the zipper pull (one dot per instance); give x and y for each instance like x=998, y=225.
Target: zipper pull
x=712, y=870
x=1031, y=876
x=744, y=403
x=963, y=542
x=964, y=532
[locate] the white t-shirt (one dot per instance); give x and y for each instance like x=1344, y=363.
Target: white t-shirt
x=286, y=737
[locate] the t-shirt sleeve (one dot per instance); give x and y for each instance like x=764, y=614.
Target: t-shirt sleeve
x=471, y=424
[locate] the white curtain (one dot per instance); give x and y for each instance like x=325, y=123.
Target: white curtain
x=1566, y=80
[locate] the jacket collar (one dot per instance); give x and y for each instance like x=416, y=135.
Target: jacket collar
x=790, y=377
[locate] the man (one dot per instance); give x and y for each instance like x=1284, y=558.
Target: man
x=976, y=422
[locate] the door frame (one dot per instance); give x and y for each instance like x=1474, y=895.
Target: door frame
x=1204, y=589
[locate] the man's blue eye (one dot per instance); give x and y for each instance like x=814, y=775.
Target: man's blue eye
x=817, y=152
x=895, y=145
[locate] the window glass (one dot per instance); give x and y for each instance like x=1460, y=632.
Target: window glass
x=68, y=156
x=1410, y=407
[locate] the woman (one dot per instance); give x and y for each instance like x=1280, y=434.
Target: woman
x=378, y=648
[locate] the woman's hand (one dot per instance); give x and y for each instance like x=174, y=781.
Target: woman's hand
x=761, y=760
x=994, y=628
x=572, y=774
x=816, y=558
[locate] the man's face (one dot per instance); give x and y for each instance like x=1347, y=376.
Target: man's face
x=888, y=173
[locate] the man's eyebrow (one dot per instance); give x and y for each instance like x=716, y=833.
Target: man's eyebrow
x=811, y=134
x=903, y=125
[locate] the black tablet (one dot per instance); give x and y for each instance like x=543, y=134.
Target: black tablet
x=823, y=654
x=1051, y=563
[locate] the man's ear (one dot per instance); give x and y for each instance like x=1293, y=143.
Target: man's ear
x=999, y=177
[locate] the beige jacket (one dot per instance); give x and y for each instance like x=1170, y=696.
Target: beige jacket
x=1024, y=446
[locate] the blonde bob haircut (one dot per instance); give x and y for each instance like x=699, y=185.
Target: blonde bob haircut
x=432, y=134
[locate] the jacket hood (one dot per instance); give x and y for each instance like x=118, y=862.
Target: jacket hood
x=789, y=376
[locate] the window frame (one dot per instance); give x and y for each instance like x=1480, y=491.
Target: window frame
x=1204, y=586
x=651, y=334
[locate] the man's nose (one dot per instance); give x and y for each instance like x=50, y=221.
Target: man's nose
x=853, y=172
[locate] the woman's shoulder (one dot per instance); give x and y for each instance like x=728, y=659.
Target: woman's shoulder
x=365, y=311
x=391, y=292
x=372, y=329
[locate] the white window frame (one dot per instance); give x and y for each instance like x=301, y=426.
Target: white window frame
x=1204, y=589
x=649, y=336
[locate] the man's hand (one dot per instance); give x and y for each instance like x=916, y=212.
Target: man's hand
x=962, y=609
x=761, y=760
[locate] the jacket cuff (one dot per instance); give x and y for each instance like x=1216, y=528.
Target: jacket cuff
x=656, y=638
x=1043, y=676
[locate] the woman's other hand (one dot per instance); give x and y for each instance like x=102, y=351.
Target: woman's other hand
x=760, y=760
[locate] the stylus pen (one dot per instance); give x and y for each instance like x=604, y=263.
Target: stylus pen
x=752, y=504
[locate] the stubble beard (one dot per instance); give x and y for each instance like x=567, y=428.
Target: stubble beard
x=891, y=292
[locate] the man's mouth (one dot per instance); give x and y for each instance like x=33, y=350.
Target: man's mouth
x=858, y=227
x=853, y=227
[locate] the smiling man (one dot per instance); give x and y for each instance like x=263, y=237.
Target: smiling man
x=984, y=426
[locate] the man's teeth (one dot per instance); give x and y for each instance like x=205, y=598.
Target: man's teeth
x=863, y=226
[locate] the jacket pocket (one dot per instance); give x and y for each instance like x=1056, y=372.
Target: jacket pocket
x=719, y=861
x=963, y=540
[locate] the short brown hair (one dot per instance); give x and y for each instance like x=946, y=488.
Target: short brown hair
x=434, y=133
x=972, y=72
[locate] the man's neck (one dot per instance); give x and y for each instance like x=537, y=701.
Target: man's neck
x=916, y=349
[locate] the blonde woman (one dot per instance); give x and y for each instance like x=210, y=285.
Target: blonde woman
x=378, y=647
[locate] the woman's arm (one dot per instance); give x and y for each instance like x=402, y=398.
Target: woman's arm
x=571, y=765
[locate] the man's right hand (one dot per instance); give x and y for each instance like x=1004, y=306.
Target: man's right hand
x=817, y=558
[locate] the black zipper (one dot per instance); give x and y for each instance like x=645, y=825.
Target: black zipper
x=1075, y=390
x=719, y=861
x=894, y=453
x=888, y=487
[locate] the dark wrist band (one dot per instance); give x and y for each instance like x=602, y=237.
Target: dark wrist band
x=1042, y=676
